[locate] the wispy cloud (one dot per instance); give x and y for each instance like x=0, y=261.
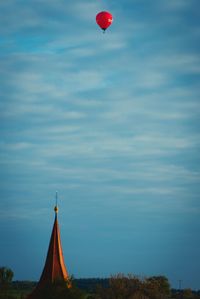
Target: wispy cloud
x=177, y=5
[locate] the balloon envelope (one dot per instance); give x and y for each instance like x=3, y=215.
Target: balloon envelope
x=104, y=19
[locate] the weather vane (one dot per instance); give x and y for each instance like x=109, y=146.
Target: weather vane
x=56, y=206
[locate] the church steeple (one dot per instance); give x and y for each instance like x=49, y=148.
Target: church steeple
x=54, y=268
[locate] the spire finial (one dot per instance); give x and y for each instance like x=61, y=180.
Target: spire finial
x=56, y=206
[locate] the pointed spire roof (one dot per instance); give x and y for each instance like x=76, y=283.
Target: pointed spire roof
x=54, y=268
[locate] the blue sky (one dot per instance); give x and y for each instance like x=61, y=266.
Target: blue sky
x=110, y=121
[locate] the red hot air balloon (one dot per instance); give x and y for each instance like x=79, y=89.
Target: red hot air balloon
x=104, y=19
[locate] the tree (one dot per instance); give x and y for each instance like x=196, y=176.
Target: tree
x=157, y=287
x=121, y=287
x=6, y=276
x=131, y=287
